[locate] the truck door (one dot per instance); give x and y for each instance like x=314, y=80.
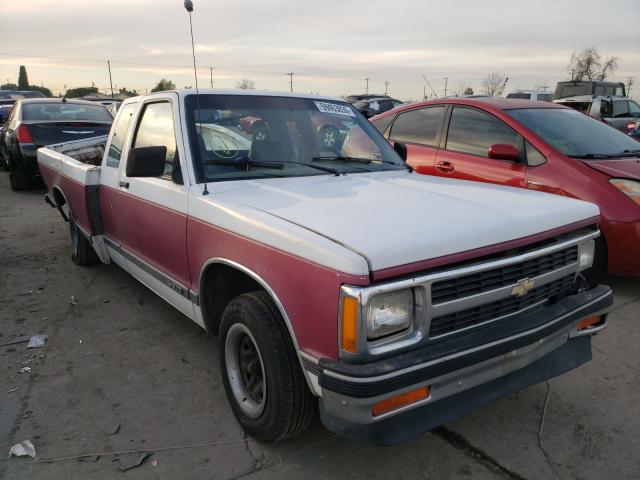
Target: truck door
x=154, y=214
x=470, y=134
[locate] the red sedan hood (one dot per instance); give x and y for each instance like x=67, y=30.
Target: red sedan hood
x=621, y=168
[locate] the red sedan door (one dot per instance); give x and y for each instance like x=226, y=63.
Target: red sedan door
x=465, y=155
x=419, y=130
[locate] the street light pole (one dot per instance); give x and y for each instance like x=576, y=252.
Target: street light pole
x=291, y=74
x=211, y=75
x=367, y=87
x=386, y=87
x=110, y=81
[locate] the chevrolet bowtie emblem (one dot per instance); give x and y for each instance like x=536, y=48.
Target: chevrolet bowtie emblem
x=522, y=288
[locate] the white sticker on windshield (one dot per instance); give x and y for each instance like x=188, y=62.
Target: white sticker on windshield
x=334, y=108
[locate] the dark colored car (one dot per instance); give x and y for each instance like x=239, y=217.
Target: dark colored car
x=364, y=96
x=615, y=111
x=9, y=97
x=34, y=123
x=573, y=88
x=537, y=145
x=375, y=106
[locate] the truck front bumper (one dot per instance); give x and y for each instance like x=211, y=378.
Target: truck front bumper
x=460, y=381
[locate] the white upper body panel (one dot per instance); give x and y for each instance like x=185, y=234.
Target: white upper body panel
x=396, y=218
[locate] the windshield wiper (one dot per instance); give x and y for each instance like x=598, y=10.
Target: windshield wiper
x=591, y=156
x=247, y=163
x=357, y=160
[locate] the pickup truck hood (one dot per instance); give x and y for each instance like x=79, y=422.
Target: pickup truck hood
x=620, y=168
x=397, y=218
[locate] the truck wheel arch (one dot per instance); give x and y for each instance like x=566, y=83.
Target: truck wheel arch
x=218, y=271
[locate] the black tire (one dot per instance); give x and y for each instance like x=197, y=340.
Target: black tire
x=82, y=252
x=286, y=406
x=19, y=181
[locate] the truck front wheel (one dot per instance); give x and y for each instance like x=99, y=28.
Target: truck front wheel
x=82, y=253
x=261, y=371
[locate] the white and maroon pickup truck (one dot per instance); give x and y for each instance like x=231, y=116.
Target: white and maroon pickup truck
x=333, y=275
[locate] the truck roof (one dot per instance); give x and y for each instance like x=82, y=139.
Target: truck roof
x=183, y=92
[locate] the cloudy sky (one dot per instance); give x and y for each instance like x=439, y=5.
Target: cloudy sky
x=332, y=46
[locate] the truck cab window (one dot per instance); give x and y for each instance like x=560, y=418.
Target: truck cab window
x=119, y=133
x=156, y=129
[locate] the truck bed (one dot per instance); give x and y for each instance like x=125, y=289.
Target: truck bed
x=71, y=171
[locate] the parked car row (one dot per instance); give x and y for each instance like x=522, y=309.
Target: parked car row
x=36, y=122
x=534, y=145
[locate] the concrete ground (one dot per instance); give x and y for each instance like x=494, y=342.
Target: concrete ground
x=122, y=370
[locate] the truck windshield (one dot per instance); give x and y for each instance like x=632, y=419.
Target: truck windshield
x=575, y=134
x=65, y=111
x=254, y=136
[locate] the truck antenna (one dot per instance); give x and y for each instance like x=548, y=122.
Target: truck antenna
x=188, y=5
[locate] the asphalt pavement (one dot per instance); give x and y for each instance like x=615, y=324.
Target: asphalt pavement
x=122, y=371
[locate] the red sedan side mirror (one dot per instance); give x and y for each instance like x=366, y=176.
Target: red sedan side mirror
x=504, y=151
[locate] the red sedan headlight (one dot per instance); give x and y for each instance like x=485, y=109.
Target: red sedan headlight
x=631, y=188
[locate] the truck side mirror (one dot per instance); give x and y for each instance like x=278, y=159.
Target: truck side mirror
x=401, y=149
x=504, y=151
x=146, y=161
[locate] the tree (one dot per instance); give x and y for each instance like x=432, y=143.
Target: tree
x=129, y=93
x=9, y=86
x=163, y=85
x=45, y=91
x=246, y=84
x=493, y=83
x=23, y=80
x=468, y=91
x=590, y=65
x=80, y=91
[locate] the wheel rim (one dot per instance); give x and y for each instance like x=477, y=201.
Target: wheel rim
x=245, y=370
x=330, y=137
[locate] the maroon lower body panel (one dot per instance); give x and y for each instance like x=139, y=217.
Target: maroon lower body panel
x=309, y=292
x=75, y=193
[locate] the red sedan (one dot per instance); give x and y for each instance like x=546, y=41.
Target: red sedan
x=526, y=144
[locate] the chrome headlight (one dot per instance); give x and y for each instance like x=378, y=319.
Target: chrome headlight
x=389, y=313
x=587, y=251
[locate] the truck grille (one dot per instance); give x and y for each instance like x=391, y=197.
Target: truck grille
x=460, y=287
x=507, y=306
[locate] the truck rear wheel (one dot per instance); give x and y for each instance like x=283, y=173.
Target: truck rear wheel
x=261, y=371
x=82, y=252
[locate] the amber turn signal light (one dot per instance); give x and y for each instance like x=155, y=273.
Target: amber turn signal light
x=589, y=322
x=349, y=322
x=399, y=401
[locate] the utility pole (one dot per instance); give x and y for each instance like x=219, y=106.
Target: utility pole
x=211, y=75
x=446, y=79
x=386, y=87
x=110, y=81
x=366, y=92
x=291, y=74
x=424, y=94
x=630, y=82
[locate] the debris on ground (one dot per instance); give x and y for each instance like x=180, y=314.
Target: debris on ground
x=24, y=370
x=13, y=390
x=73, y=301
x=154, y=463
x=22, y=449
x=89, y=458
x=37, y=341
x=15, y=339
x=127, y=461
x=115, y=429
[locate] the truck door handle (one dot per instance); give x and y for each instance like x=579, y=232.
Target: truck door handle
x=534, y=183
x=445, y=167
x=123, y=184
